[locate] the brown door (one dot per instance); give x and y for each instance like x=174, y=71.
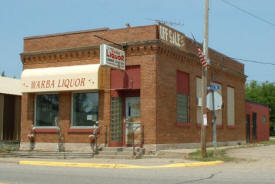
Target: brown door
x=254, y=128
x=9, y=119
x=247, y=128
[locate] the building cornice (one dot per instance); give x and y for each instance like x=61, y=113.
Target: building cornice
x=131, y=48
x=138, y=48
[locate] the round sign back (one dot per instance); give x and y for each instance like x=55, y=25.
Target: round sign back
x=217, y=101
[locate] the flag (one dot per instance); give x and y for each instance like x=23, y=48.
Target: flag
x=200, y=53
x=202, y=57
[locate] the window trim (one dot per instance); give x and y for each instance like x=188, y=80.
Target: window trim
x=82, y=129
x=45, y=128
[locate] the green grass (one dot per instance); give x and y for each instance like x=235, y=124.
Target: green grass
x=221, y=155
x=8, y=148
x=266, y=143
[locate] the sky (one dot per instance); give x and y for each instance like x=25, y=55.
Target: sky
x=231, y=31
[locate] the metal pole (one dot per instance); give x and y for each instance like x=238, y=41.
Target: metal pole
x=214, y=121
x=204, y=81
x=106, y=134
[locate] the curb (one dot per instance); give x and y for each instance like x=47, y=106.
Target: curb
x=121, y=166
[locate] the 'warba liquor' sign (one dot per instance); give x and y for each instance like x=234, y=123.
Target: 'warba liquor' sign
x=112, y=57
x=171, y=36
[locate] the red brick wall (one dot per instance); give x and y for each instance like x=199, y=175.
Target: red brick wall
x=167, y=129
x=147, y=95
x=262, y=128
x=157, y=74
x=88, y=39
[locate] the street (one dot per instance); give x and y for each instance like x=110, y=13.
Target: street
x=255, y=169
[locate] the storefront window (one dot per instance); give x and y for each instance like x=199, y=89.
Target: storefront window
x=46, y=110
x=85, y=109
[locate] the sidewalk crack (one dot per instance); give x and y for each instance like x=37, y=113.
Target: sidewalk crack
x=200, y=179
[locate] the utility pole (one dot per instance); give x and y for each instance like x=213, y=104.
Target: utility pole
x=204, y=81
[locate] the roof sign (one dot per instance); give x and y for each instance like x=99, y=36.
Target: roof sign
x=171, y=36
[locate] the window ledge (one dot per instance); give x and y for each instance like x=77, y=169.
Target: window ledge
x=183, y=124
x=219, y=126
x=45, y=130
x=198, y=125
x=231, y=126
x=80, y=130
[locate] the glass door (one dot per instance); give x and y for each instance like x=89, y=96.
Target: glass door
x=132, y=123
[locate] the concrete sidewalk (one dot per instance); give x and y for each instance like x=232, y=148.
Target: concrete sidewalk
x=109, y=163
x=164, y=158
x=149, y=161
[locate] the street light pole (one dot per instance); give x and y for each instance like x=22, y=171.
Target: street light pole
x=204, y=81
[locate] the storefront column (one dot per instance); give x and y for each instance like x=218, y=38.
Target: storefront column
x=1, y=115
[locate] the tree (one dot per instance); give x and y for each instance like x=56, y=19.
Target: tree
x=3, y=74
x=263, y=93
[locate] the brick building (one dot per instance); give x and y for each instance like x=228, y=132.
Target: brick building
x=257, y=121
x=157, y=96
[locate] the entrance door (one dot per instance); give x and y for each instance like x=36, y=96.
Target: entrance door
x=254, y=121
x=9, y=117
x=132, y=124
x=116, y=130
x=247, y=128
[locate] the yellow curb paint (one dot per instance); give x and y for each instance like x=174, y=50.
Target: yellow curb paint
x=95, y=165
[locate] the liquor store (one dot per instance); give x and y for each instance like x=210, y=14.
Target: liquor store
x=135, y=85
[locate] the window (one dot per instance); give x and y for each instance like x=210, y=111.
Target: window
x=230, y=106
x=182, y=108
x=46, y=110
x=263, y=119
x=182, y=97
x=84, y=109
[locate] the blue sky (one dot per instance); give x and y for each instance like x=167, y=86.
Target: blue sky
x=230, y=31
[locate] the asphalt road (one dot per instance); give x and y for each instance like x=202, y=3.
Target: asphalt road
x=256, y=169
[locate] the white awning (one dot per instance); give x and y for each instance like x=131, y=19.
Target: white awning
x=66, y=78
x=10, y=86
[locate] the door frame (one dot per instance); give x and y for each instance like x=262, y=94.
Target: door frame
x=123, y=94
x=125, y=121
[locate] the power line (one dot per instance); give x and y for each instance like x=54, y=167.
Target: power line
x=253, y=61
x=249, y=13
